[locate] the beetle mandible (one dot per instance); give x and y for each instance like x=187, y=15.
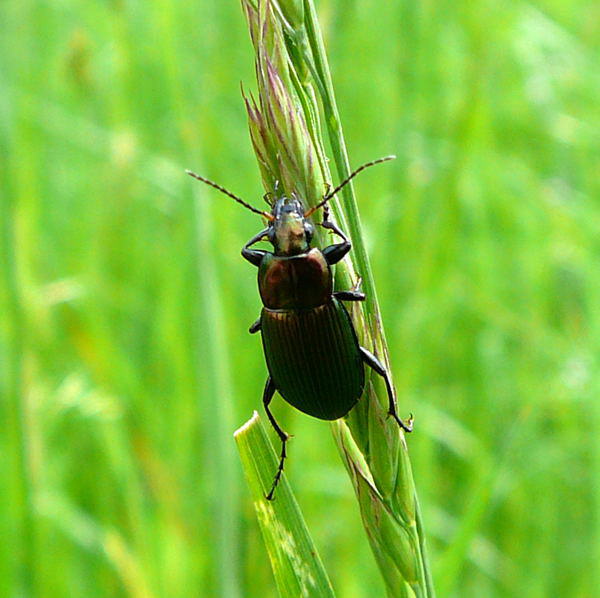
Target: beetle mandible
x=311, y=348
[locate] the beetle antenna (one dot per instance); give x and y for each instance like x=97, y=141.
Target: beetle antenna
x=329, y=195
x=267, y=215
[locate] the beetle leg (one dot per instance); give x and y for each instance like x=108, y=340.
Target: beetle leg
x=254, y=256
x=255, y=327
x=354, y=294
x=376, y=365
x=349, y=295
x=333, y=227
x=334, y=253
x=267, y=396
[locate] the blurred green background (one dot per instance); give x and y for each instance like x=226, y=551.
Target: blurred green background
x=125, y=362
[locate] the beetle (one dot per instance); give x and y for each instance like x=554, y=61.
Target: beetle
x=310, y=345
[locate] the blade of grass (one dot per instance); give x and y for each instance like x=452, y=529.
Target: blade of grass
x=21, y=485
x=296, y=565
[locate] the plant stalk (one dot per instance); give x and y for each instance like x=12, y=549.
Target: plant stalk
x=294, y=89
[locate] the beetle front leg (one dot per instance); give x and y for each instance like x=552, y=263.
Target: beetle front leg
x=334, y=253
x=267, y=396
x=255, y=256
x=377, y=366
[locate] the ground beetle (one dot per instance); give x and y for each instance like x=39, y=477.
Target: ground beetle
x=310, y=345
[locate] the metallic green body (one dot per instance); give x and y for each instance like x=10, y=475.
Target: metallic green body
x=310, y=345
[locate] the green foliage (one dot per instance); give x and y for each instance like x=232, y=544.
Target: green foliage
x=296, y=565
x=124, y=360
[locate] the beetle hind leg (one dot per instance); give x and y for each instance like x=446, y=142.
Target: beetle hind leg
x=284, y=437
x=377, y=366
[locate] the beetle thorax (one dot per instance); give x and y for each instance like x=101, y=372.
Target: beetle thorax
x=295, y=282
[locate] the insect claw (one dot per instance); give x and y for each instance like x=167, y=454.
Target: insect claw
x=407, y=425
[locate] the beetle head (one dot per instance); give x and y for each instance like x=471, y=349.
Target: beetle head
x=289, y=231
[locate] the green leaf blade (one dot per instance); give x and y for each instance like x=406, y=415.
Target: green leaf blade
x=296, y=565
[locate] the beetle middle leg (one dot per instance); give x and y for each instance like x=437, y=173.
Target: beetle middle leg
x=255, y=326
x=284, y=437
x=378, y=367
x=354, y=294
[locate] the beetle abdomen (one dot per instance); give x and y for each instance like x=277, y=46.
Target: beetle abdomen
x=314, y=359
